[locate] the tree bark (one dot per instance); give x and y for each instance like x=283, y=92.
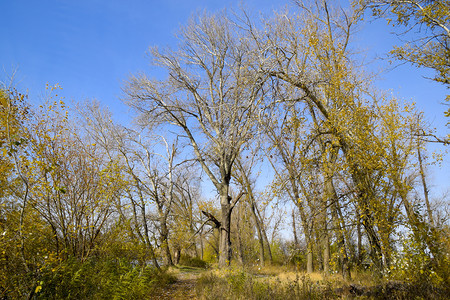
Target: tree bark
x=325, y=239
x=425, y=187
x=296, y=243
x=264, y=234
x=260, y=234
x=359, y=258
x=239, y=239
x=338, y=221
x=164, y=240
x=225, y=226
x=339, y=229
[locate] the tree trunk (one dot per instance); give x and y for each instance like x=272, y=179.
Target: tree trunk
x=364, y=195
x=201, y=243
x=259, y=226
x=339, y=229
x=296, y=243
x=264, y=235
x=325, y=240
x=309, y=254
x=425, y=187
x=338, y=220
x=307, y=230
x=352, y=257
x=326, y=255
x=176, y=256
x=239, y=240
x=225, y=226
x=340, y=232
x=164, y=240
x=374, y=241
x=364, y=198
x=144, y=236
x=308, y=240
x=359, y=258
x=258, y=221
x=260, y=235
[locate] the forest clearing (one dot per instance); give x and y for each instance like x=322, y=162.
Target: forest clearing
x=277, y=282
x=256, y=158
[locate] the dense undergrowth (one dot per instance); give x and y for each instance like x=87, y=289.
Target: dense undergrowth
x=95, y=279
x=112, y=279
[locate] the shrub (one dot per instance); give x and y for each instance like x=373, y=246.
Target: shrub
x=421, y=274
x=94, y=279
x=298, y=259
x=195, y=262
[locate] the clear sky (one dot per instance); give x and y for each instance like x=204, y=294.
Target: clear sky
x=90, y=47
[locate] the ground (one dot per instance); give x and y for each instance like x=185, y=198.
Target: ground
x=184, y=287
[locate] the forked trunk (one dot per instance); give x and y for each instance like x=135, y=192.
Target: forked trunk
x=167, y=257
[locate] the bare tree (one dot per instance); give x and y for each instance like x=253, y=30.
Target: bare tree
x=187, y=228
x=211, y=95
x=243, y=177
x=149, y=162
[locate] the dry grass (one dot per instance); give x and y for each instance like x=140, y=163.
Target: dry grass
x=278, y=282
x=291, y=276
x=267, y=283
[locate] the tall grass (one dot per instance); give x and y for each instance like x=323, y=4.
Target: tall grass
x=238, y=284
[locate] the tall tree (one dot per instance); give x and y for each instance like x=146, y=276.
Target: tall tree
x=211, y=95
x=72, y=182
x=243, y=177
x=309, y=58
x=150, y=174
x=14, y=190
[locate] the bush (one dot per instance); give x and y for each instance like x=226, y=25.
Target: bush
x=93, y=279
x=195, y=262
x=298, y=259
x=421, y=274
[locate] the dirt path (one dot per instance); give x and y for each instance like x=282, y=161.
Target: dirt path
x=183, y=288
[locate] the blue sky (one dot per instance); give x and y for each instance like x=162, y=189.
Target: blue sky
x=90, y=47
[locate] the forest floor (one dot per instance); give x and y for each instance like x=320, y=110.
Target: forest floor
x=283, y=282
x=184, y=287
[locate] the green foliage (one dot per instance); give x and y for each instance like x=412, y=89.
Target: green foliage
x=18, y=270
x=298, y=259
x=98, y=279
x=195, y=262
x=424, y=274
x=278, y=254
x=210, y=254
x=71, y=226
